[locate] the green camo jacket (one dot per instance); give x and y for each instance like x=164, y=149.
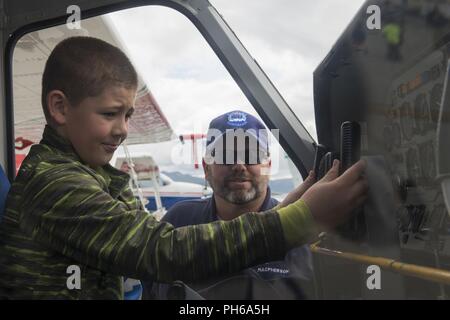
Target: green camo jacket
x=60, y=213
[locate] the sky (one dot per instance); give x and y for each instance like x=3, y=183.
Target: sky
x=288, y=40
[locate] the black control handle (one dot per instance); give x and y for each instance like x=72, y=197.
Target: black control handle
x=350, y=153
x=350, y=144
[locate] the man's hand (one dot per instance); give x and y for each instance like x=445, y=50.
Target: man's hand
x=332, y=199
x=298, y=192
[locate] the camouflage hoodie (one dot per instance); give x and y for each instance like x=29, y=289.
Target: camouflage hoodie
x=60, y=212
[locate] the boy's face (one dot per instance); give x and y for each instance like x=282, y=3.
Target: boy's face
x=98, y=125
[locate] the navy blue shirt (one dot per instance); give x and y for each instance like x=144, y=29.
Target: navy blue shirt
x=272, y=280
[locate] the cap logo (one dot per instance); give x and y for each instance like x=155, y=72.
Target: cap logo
x=237, y=119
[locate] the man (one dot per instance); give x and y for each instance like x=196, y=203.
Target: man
x=237, y=166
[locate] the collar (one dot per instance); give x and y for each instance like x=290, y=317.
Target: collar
x=115, y=179
x=51, y=138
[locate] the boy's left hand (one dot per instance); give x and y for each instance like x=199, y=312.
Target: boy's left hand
x=297, y=193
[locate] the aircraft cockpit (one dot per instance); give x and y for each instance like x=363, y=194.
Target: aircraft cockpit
x=391, y=85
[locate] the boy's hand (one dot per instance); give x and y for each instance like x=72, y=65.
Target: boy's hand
x=298, y=192
x=332, y=199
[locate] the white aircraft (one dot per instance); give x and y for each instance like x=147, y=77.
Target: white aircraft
x=157, y=191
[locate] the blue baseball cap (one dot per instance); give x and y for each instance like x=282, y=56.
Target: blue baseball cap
x=237, y=124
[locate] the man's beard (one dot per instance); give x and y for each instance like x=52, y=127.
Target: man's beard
x=239, y=196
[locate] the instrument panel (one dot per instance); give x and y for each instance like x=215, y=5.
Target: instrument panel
x=410, y=149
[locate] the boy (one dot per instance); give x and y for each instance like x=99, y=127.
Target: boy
x=68, y=206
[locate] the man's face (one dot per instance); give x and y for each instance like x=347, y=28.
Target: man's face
x=237, y=183
x=98, y=125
